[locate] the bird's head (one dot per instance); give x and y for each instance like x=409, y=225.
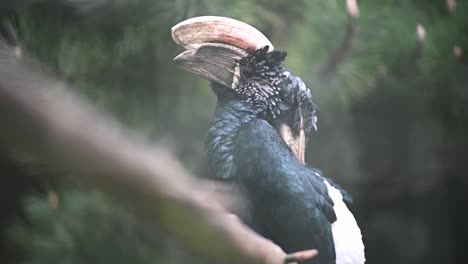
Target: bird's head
x=261, y=78
x=221, y=49
x=239, y=57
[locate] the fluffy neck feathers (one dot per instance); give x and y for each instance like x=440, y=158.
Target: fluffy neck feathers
x=229, y=116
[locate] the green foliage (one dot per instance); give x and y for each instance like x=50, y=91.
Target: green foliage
x=119, y=54
x=86, y=227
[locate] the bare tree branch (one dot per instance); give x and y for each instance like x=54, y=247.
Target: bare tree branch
x=408, y=63
x=457, y=51
x=451, y=5
x=338, y=55
x=40, y=116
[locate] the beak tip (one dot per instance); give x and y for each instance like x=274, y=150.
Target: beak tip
x=182, y=57
x=177, y=59
x=186, y=57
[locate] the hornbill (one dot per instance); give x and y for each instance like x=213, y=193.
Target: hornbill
x=257, y=139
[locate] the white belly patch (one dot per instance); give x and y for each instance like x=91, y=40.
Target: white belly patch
x=347, y=237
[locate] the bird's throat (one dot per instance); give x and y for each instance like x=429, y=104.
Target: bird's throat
x=228, y=119
x=295, y=143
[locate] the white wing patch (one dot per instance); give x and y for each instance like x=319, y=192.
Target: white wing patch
x=347, y=237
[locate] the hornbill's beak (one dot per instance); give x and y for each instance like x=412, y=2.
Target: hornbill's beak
x=213, y=61
x=214, y=45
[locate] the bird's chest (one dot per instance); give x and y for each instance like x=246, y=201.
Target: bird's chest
x=347, y=237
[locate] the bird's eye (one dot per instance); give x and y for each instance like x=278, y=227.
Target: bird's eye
x=248, y=72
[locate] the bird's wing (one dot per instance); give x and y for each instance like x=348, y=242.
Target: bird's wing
x=346, y=196
x=290, y=204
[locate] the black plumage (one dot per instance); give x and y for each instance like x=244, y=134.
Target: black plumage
x=258, y=136
x=289, y=201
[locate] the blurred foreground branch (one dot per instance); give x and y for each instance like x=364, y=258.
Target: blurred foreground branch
x=43, y=119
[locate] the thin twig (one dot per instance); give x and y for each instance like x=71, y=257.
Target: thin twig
x=301, y=256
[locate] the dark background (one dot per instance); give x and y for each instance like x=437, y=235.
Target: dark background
x=393, y=118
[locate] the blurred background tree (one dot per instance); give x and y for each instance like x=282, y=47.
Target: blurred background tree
x=390, y=79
